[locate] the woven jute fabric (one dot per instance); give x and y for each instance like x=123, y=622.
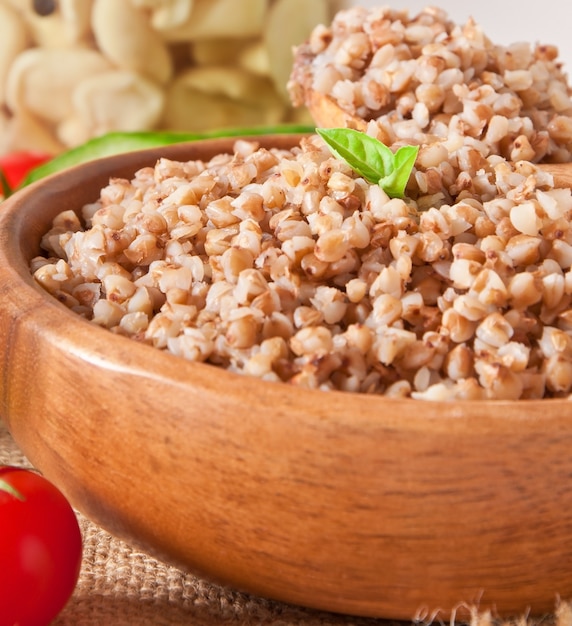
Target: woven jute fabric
x=121, y=586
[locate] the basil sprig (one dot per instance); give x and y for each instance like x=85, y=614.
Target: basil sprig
x=372, y=159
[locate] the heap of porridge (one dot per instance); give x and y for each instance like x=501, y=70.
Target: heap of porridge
x=288, y=266
x=425, y=79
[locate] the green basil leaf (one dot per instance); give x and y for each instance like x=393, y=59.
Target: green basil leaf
x=372, y=159
x=405, y=157
x=394, y=185
x=366, y=155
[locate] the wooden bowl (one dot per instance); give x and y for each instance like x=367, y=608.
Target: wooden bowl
x=332, y=500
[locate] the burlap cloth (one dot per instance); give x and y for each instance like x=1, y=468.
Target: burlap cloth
x=120, y=586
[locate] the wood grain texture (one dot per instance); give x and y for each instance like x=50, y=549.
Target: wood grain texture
x=337, y=501
x=327, y=113
x=562, y=173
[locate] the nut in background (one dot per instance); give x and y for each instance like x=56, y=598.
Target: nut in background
x=74, y=69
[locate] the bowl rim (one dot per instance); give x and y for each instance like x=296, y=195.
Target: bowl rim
x=16, y=279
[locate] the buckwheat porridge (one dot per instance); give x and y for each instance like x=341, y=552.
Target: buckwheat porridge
x=288, y=266
x=425, y=79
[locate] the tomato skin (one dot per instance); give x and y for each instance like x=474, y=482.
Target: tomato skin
x=40, y=549
x=16, y=165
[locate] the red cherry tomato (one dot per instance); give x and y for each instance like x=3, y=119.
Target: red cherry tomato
x=40, y=549
x=16, y=165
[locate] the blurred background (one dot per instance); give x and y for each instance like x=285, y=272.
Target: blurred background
x=75, y=69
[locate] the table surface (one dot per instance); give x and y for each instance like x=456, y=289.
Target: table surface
x=121, y=586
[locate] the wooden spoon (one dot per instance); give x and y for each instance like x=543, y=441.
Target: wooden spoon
x=327, y=113
x=562, y=173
